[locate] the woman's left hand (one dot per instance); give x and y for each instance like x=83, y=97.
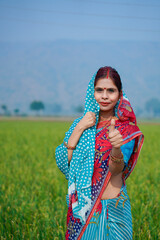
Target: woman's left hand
x=114, y=136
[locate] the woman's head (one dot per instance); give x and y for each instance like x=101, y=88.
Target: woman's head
x=109, y=72
x=108, y=88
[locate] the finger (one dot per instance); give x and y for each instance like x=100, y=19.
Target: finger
x=93, y=118
x=112, y=127
x=116, y=138
x=113, y=134
x=117, y=144
x=117, y=141
x=93, y=115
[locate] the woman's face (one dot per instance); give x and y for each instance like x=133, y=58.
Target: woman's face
x=106, y=94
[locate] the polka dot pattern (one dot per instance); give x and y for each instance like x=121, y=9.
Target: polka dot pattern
x=81, y=167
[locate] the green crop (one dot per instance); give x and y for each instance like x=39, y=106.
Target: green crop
x=33, y=190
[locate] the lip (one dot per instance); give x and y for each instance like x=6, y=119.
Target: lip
x=104, y=104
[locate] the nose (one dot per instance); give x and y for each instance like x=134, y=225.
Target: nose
x=105, y=94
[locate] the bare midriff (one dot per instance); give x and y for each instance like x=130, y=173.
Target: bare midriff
x=113, y=188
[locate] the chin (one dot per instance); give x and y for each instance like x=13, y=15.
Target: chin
x=105, y=109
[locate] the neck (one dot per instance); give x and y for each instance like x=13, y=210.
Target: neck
x=105, y=116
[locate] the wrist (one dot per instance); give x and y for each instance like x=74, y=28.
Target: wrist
x=68, y=146
x=116, y=159
x=116, y=152
x=80, y=127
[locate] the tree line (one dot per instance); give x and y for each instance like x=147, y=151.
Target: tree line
x=37, y=107
x=152, y=108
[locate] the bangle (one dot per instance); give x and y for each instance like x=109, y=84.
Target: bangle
x=116, y=159
x=69, y=147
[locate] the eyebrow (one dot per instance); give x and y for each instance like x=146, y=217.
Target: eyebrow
x=104, y=88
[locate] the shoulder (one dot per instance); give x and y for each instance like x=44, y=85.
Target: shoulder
x=126, y=125
x=128, y=129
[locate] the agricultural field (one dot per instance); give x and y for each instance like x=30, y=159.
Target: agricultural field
x=33, y=190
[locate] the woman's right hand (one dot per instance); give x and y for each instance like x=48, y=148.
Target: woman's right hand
x=88, y=120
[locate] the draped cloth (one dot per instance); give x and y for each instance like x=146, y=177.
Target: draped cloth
x=84, y=193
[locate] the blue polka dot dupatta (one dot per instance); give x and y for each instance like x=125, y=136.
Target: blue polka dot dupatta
x=80, y=172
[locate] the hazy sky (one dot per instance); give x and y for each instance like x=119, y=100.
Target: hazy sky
x=34, y=20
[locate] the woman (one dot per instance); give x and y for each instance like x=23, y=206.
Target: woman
x=99, y=152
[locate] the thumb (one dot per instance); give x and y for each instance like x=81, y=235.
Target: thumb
x=112, y=127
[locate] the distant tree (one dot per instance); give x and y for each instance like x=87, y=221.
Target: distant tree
x=153, y=106
x=4, y=108
x=37, y=106
x=16, y=111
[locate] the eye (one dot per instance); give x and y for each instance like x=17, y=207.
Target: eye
x=98, y=89
x=111, y=89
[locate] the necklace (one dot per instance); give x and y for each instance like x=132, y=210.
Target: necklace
x=104, y=123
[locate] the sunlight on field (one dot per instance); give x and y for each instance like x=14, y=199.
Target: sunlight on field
x=32, y=189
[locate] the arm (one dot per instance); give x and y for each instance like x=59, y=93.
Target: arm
x=116, y=168
x=87, y=121
x=116, y=141
x=127, y=150
x=64, y=155
x=74, y=138
x=117, y=149
x=61, y=153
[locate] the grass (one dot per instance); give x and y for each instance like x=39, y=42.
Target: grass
x=32, y=189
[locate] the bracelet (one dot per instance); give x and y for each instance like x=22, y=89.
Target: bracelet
x=116, y=159
x=69, y=147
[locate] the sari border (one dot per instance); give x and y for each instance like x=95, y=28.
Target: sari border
x=95, y=205
x=140, y=135
x=137, y=134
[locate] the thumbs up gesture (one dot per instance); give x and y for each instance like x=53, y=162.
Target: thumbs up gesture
x=114, y=135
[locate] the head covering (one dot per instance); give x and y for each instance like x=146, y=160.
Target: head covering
x=82, y=163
